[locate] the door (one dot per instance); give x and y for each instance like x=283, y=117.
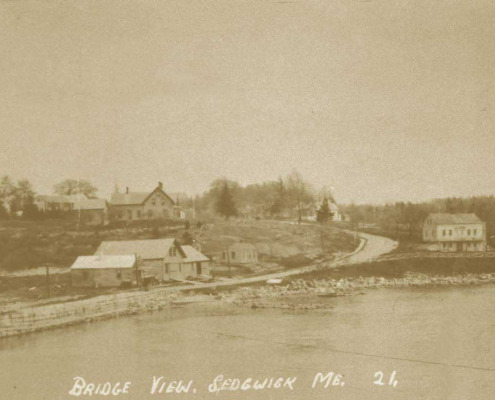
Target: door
x=198, y=268
x=174, y=271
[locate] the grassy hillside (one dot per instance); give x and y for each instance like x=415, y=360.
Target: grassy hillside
x=31, y=244
x=275, y=241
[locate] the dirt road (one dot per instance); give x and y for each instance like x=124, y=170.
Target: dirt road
x=369, y=248
x=375, y=246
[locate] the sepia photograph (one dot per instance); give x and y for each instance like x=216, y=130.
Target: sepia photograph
x=247, y=199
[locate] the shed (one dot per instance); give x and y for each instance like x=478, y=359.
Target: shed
x=104, y=271
x=240, y=253
x=195, y=263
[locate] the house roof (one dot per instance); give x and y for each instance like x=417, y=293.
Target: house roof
x=134, y=198
x=121, y=199
x=146, y=249
x=464, y=218
x=97, y=262
x=72, y=198
x=90, y=204
x=193, y=255
x=242, y=246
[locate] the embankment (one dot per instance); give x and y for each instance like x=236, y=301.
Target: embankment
x=278, y=296
x=20, y=321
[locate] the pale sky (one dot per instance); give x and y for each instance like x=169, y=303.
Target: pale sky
x=384, y=100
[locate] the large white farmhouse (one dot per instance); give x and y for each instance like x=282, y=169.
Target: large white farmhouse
x=454, y=232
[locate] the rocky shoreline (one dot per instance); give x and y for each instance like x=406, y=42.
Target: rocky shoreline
x=298, y=294
x=275, y=296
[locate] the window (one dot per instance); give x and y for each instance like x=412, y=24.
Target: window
x=163, y=202
x=474, y=232
x=433, y=233
x=172, y=252
x=469, y=232
x=233, y=255
x=129, y=214
x=450, y=232
x=139, y=214
x=119, y=274
x=153, y=201
x=444, y=232
x=150, y=213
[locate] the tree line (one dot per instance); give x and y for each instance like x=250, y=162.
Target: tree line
x=17, y=198
x=396, y=216
x=287, y=197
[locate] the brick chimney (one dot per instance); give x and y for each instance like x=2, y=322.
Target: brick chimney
x=160, y=185
x=127, y=190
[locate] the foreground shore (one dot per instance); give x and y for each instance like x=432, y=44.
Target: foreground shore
x=297, y=294
x=274, y=296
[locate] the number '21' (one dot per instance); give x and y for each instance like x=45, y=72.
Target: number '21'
x=391, y=382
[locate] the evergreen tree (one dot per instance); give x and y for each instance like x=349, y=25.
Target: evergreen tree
x=324, y=214
x=225, y=204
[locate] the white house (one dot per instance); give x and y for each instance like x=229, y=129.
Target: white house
x=164, y=259
x=454, y=232
x=130, y=206
x=334, y=209
x=240, y=253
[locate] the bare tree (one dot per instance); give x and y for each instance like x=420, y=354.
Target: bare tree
x=75, y=186
x=299, y=192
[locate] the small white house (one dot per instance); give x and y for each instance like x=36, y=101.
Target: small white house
x=104, y=271
x=195, y=263
x=240, y=253
x=334, y=209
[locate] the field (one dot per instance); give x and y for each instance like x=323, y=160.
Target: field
x=31, y=244
x=274, y=240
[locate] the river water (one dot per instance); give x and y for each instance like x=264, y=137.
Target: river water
x=440, y=342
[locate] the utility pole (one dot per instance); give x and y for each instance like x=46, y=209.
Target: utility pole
x=228, y=261
x=354, y=222
x=47, y=280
